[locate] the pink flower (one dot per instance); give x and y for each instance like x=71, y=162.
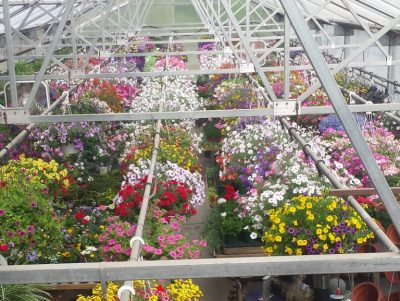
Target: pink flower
x=128, y=251
x=175, y=225
x=163, y=245
x=111, y=242
x=118, y=248
x=158, y=252
x=203, y=243
x=187, y=245
x=161, y=238
x=173, y=254
x=179, y=249
x=171, y=240
x=106, y=248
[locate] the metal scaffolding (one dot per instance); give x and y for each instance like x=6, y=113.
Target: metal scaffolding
x=92, y=28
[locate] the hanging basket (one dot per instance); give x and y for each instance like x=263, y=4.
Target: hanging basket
x=68, y=149
x=367, y=291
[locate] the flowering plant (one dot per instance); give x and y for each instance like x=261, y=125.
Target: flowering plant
x=151, y=290
x=167, y=241
x=82, y=228
x=30, y=230
x=314, y=225
x=172, y=196
x=114, y=241
x=168, y=171
x=384, y=146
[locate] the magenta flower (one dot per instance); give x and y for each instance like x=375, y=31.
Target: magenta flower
x=203, y=243
x=2, y=212
x=31, y=229
x=175, y=226
x=128, y=251
x=33, y=204
x=118, y=248
x=161, y=238
x=173, y=254
x=111, y=242
x=158, y=252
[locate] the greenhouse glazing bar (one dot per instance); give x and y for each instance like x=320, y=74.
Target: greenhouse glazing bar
x=194, y=114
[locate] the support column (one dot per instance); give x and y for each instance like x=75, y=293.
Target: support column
x=10, y=57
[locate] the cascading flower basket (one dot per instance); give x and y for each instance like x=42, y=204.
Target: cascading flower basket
x=309, y=225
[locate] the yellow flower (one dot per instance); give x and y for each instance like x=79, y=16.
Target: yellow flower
x=299, y=252
x=278, y=238
x=292, y=209
x=329, y=218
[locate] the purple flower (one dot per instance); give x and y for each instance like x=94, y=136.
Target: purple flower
x=2, y=212
x=33, y=204
x=332, y=251
x=291, y=231
x=31, y=229
x=32, y=256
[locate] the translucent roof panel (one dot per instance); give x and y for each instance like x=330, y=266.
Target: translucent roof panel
x=372, y=12
x=33, y=14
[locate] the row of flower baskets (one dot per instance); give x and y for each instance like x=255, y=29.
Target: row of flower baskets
x=266, y=175
x=45, y=223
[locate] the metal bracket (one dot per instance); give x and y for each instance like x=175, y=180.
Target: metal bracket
x=14, y=116
x=286, y=108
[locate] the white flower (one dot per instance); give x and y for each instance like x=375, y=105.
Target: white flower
x=253, y=235
x=223, y=214
x=221, y=201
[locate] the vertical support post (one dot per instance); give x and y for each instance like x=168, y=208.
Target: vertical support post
x=73, y=40
x=68, y=8
x=266, y=288
x=10, y=56
x=287, y=58
x=341, y=109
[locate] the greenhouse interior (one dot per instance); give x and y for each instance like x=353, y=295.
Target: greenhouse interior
x=239, y=150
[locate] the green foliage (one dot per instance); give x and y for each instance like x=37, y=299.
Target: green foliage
x=24, y=292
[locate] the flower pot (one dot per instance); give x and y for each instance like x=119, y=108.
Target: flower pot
x=68, y=149
x=394, y=297
x=393, y=277
x=367, y=291
x=393, y=235
x=120, y=160
x=103, y=170
x=370, y=248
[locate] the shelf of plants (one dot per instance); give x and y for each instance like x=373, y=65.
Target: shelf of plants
x=78, y=210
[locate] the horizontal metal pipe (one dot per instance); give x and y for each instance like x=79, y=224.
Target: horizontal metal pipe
x=201, y=268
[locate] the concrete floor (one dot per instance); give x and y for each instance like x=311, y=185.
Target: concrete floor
x=214, y=289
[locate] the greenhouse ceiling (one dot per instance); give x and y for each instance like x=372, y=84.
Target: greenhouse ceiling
x=248, y=31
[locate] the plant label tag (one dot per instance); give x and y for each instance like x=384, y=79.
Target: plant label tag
x=104, y=53
x=228, y=50
x=286, y=108
x=246, y=68
x=389, y=61
x=78, y=72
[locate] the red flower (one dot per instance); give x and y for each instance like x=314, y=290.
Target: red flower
x=3, y=247
x=79, y=215
x=160, y=288
x=85, y=221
